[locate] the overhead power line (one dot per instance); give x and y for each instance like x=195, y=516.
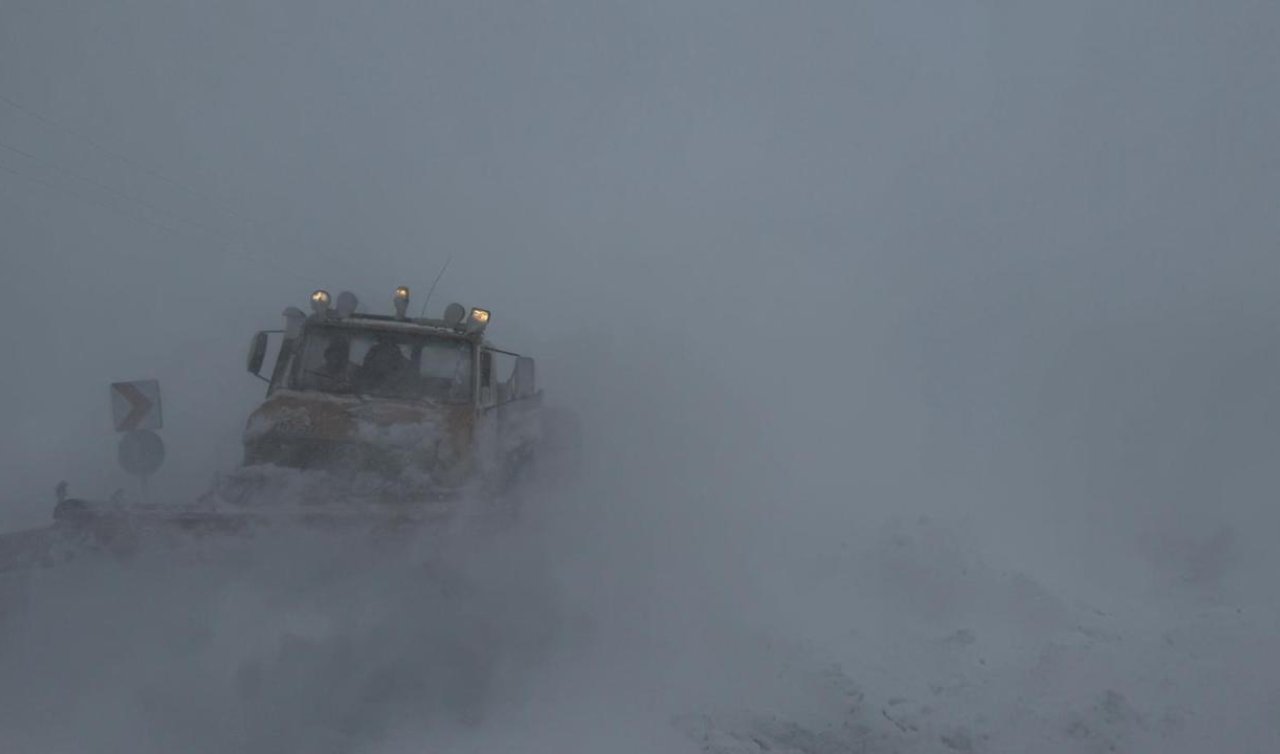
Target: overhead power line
x=216, y=232
x=108, y=150
x=232, y=248
x=88, y=200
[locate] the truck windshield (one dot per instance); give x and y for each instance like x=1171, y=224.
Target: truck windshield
x=384, y=364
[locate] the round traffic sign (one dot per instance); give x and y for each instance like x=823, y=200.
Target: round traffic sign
x=141, y=452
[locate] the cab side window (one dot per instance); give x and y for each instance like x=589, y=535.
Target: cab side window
x=524, y=378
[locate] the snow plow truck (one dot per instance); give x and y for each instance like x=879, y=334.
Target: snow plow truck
x=384, y=421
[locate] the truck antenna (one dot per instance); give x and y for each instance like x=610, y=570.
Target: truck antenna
x=432, y=289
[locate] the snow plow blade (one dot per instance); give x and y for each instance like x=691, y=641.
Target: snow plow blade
x=123, y=532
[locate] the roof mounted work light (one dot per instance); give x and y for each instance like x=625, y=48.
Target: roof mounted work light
x=402, y=301
x=320, y=301
x=477, y=320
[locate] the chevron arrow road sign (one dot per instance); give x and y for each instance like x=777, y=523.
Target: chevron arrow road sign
x=136, y=405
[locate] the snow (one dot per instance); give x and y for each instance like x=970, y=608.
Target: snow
x=908, y=637
x=400, y=435
x=1011, y=664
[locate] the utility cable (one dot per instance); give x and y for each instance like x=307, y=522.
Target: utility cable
x=215, y=232
x=123, y=158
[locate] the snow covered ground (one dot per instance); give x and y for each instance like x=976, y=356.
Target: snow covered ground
x=905, y=636
x=931, y=649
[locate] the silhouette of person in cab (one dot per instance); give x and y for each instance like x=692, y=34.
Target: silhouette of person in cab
x=336, y=366
x=384, y=366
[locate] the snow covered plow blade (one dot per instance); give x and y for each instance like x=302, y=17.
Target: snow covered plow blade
x=124, y=532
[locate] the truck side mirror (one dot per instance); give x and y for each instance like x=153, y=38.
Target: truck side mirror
x=257, y=353
x=525, y=386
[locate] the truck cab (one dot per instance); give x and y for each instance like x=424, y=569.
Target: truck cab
x=424, y=405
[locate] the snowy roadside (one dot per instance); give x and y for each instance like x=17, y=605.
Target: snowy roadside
x=928, y=649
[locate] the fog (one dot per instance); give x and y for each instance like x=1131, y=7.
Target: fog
x=923, y=352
